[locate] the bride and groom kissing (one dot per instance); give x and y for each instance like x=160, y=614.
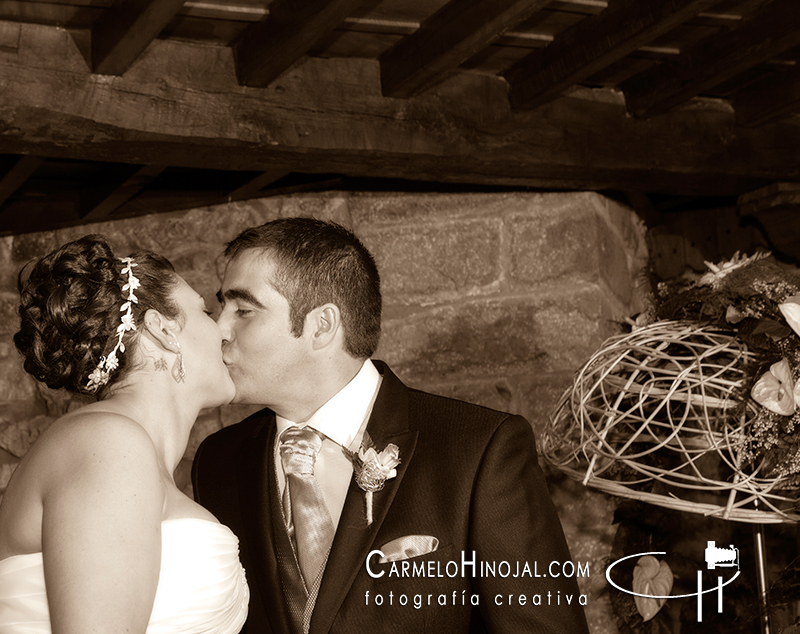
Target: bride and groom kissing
x=343, y=460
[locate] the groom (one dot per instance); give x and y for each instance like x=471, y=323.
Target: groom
x=458, y=536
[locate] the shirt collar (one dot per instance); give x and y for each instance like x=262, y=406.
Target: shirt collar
x=342, y=416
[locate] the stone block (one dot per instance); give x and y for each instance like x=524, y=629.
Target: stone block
x=235, y=412
x=21, y=410
x=32, y=246
x=201, y=271
x=437, y=261
x=9, y=269
x=17, y=436
x=545, y=333
x=539, y=393
x=6, y=471
x=9, y=313
x=206, y=424
x=394, y=208
x=495, y=393
x=15, y=383
x=579, y=244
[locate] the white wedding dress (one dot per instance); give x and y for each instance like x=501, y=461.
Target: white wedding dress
x=201, y=589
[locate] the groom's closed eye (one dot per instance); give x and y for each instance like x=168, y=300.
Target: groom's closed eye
x=241, y=295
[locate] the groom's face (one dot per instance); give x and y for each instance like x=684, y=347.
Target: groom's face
x=267, y=363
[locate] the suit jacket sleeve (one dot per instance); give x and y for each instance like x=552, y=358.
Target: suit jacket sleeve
x=513, y=520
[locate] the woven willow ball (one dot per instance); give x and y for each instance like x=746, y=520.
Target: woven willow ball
x=656, y=415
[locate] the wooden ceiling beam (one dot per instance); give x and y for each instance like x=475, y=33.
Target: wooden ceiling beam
x=122, y=33
x=109, y=201
x=762, y=35
x=251, y=188
x=15, y=177
x=593, y=44
x=768, y=99
x=452, y=35
x=330, y=118
x=266, y=49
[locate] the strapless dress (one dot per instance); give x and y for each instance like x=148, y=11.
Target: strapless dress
x=201, y=588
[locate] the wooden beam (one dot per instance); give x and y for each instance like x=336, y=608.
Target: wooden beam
x=14, y=178
x=266, y=49
x=251, y=188
x=770, y=98
x=125, y=30
x=330, y=118
x=761, y=36
x=593, y=44
x=119, y=195
x=452, y=35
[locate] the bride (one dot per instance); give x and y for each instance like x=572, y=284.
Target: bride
x=95, y=537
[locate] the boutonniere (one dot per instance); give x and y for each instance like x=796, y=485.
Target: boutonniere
x=373, y=468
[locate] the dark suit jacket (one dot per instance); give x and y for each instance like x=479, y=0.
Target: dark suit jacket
x=469, y=477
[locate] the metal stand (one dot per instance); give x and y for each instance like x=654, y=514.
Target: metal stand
x=761, y=575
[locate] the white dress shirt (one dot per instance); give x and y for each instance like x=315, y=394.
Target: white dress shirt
x=343, y=420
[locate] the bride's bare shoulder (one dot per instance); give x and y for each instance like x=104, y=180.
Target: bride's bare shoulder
x=92, y=439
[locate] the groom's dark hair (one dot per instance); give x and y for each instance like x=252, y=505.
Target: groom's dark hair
x=319, y=262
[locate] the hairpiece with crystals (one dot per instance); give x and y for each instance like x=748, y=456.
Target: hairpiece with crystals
x=102, y=372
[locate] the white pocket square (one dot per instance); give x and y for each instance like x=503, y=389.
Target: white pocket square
x=407, y=547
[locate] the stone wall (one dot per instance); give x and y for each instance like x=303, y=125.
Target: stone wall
x=491, y=298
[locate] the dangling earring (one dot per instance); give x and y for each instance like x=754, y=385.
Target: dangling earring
x=178, y=371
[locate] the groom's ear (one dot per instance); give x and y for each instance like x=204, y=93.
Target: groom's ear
x=161, y=330
x=323, y=325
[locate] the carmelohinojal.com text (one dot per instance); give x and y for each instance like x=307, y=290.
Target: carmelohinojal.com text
x=473, y=568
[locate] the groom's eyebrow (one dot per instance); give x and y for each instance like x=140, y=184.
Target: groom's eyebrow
x=240, y=294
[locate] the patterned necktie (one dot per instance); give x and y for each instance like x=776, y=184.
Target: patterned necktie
x=307, y=518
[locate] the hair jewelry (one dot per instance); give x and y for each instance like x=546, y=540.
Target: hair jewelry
x=107, y=365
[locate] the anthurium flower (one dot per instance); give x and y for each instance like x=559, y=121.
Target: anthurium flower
x=791, y=312
x=654, y=578
x=775, y=389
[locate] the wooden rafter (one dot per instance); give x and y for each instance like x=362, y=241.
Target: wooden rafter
x=251, y=188
x=593, y=44
x=122, y=193
x=267, y=48
x=125, y=30
x=768, y=99
x=456, y=32
x=21, y=171
x=462, y=132
x=767, y=33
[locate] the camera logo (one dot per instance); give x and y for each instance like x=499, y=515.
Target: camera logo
x=714, y=558
x=721, y=557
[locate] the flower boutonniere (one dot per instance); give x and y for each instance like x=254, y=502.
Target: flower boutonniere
x=373, y=468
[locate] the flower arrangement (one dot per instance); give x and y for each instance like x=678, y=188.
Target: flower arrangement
x=696, y=408
x=760, y=302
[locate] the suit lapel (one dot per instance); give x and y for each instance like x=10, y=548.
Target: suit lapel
x=388, y=424
x=256, y=486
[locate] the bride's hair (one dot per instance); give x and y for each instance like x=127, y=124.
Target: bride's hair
x=70, y=310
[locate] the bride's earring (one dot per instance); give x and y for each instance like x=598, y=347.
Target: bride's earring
x=178, y=371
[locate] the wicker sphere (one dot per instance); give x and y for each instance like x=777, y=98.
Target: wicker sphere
x=658, y=415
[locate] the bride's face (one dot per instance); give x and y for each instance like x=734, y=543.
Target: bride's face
x=201, y=345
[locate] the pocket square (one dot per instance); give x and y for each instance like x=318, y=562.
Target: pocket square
x=407, y=547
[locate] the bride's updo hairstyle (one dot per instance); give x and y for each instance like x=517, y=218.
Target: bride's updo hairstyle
x=70, y=310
